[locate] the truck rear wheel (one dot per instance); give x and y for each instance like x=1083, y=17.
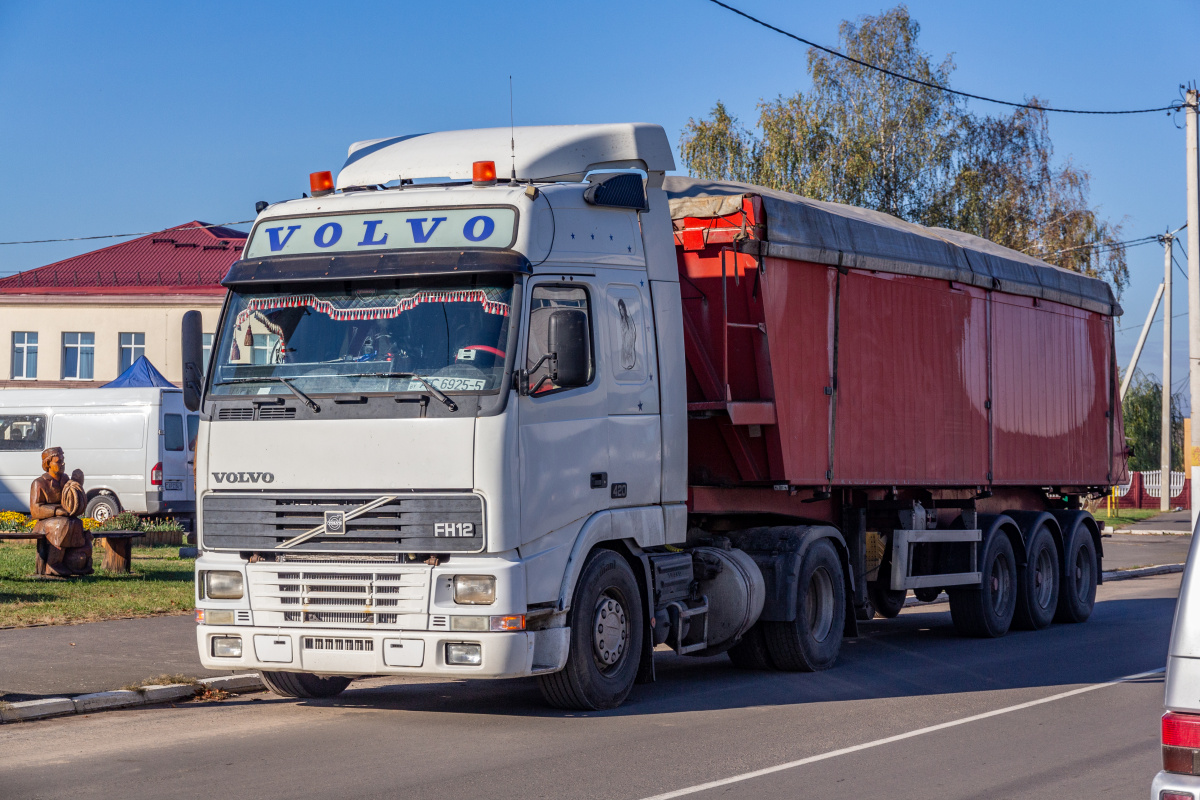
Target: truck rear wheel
x=606, y=638
x=1037, y=595
x=986, y=611
x=813, y=640
x=751, y=651
x=304, y=684
x=1077, y=595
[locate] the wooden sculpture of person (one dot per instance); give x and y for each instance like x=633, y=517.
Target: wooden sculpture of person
x=56, y=501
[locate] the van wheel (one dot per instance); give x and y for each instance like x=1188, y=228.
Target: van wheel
x=813, y=640
x=102, y=507
x=606, y=638
x=986, y=611
x=751, y=651
x=1037, y=594
x=1077, y=595
x=304, y=684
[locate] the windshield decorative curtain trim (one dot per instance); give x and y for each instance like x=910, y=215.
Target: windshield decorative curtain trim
x=327, y=308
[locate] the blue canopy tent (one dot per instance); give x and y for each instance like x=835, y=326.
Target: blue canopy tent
x=141, y=373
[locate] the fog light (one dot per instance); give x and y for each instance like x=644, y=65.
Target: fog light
x=468, y=623
x=210, y=617
x=223, y=585
x=462, y=654
x=474, y=590
x=516, y=622
x=227, y=646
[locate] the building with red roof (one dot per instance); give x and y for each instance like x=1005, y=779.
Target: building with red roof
x=82, y=321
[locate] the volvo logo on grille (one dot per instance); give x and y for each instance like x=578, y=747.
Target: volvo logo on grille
x=335, y=522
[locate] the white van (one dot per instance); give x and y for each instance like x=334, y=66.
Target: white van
x=136, y=447
x=1180, y=776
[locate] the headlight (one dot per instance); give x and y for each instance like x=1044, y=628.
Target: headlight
x=464, y=654
x=223, y=585
x=227, y=646
x=474, y=590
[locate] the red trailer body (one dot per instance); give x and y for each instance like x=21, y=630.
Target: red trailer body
x=915, y=360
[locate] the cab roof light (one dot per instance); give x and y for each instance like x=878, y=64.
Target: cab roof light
x=321, y=183
x=483, y=173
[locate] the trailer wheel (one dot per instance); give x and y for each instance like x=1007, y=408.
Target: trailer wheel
x=986, y=611
x=606, y=638
x=1037, y=595
x=1077, y=595
x=888, y=602
x=927, y=595
x=102, y=507
x=813, y=640
x=751, y=652
x=304, y=684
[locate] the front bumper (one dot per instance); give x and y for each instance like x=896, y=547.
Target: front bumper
x=1174, y=782
x=359, y=653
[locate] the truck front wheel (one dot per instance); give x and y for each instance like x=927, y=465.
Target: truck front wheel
x=606, y=638
x=813, y=640
x=304, y=684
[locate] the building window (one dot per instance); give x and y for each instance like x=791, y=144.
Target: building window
x=264, y=349
x=206, y=339
x=133, y=347
x=24, y=358
x=79, y=356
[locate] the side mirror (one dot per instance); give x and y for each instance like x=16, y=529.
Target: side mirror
x=193, y=358
x=569, y=341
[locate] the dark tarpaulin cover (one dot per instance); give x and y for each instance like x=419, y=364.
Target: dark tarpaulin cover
x=140, y=374
x=803, y=229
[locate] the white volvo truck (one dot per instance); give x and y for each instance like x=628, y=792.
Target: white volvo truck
x=445, y=429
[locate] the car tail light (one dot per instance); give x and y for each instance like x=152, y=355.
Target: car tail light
x=1181, y=742
x=1176, y=796
x=156, y=475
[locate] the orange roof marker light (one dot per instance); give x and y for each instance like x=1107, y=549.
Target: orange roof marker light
x=483, y=173
x=321, y=183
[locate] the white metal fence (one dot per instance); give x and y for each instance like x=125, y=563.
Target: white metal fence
x=1153, y=483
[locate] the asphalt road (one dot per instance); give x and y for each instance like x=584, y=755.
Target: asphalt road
x=703, y=721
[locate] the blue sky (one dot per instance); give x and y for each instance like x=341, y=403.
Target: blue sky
x=125, y=117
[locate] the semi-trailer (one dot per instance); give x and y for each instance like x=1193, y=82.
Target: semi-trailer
x=467, y=426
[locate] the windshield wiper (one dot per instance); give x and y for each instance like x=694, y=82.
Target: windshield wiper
x=308, y=401
x=433, y=390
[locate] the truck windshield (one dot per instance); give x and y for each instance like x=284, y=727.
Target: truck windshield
x=349, y=337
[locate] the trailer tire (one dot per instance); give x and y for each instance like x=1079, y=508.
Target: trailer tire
x=600, y=672
x=986, y=611
x=1038, y=582
x=102, y=507
x=751, y=651
x=812, y=641
x=304, y=684
x=888, y=602
x=1077, y=592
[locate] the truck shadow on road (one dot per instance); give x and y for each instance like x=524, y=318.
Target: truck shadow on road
x=916, y=654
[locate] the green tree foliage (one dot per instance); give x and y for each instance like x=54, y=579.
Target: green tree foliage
x=1142, y=412
x=867, y=139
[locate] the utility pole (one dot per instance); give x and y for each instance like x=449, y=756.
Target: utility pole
x=1164, y=490
x=1191, y=105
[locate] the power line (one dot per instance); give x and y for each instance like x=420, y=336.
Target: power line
x=928, y=84
x=122, y=235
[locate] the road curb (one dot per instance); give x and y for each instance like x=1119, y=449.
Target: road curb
x=1146, y=532
x=1113, y=575
x=125, y=698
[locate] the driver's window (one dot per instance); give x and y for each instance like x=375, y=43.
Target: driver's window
x=544, y=302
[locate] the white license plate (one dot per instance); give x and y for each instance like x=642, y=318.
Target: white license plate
x=173, y=486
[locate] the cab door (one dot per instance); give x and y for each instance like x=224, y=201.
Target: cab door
x=562, y=439
x=630, y=375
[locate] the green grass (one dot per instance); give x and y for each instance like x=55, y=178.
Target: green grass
x=1127, y=516
x=161, y=583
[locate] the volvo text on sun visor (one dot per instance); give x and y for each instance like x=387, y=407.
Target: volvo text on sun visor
x=393, y=230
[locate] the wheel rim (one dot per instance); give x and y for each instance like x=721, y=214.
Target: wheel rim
x=820, y=604
x=102, y=512
x=610, y=631
x=1043, y=578
x=1083, y=574
x=1001, y=578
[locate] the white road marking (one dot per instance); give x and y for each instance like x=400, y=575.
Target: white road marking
x=745, y=776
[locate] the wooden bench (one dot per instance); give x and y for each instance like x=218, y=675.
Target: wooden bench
x=118, y=546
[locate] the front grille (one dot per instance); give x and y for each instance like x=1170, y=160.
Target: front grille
x=320, y=596
x=235, y=413
x=277, y=412
x=410, y=523
x=325, y=643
